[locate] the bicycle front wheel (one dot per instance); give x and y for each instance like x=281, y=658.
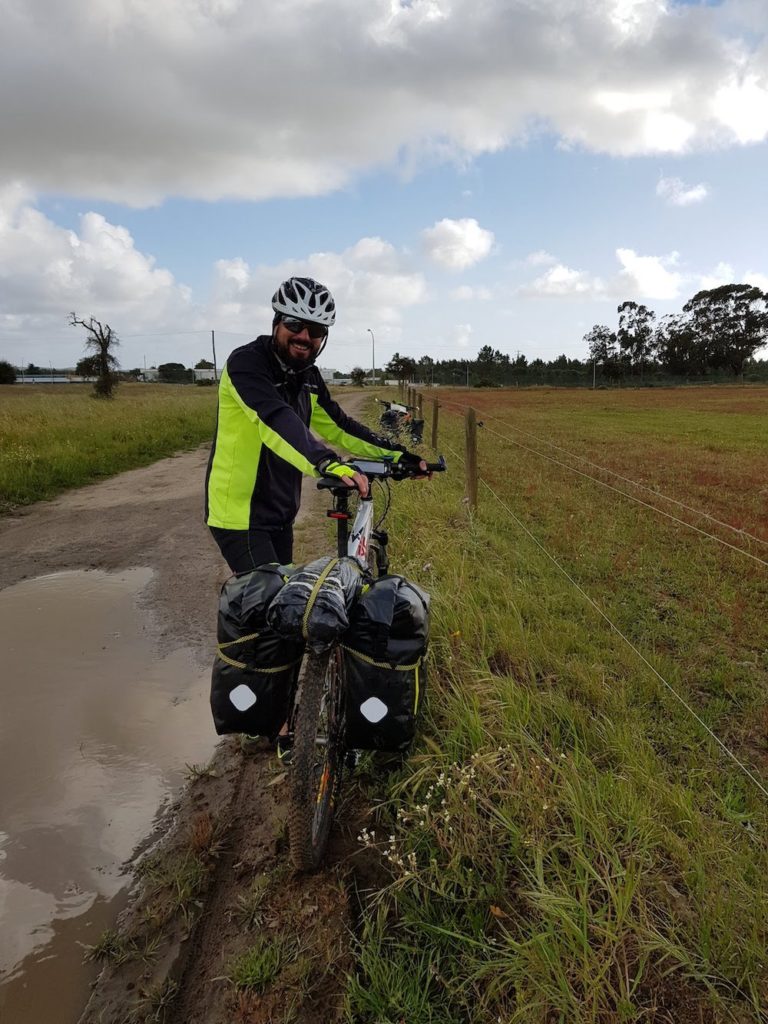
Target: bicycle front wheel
x=317, y=756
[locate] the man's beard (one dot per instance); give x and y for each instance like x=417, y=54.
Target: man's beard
x=298, y=361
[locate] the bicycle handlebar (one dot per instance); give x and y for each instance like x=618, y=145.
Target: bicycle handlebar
x=375, y=470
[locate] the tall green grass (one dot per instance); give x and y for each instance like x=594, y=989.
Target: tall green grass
x=567, y=844
x=56, y=437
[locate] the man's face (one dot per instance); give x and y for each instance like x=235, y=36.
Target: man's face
x=296, y=347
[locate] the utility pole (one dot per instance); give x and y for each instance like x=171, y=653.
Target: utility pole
x=373, y=358
x=213, y=346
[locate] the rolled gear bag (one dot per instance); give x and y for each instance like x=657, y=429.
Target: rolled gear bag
x=254, y=668
x=385, y=650
x=314, y=604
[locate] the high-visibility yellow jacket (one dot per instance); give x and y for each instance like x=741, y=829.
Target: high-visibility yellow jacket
x=263, y=443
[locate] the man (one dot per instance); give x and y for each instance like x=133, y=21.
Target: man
x=270, y=396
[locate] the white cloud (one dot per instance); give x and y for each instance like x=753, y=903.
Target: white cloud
x=392, y=82
x=757, y=279
x=47, y=270
x=640, y=277
x=466, y=293
x=743, y=105
x=677, y=193
x=372, y=283
x=562, y=282
x=722, y=274
x=540, y=258
x=457, y=244
x=460, y=335
x=649, y=277
x=725, y=274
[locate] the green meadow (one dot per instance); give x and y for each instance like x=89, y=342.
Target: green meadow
x=569, y=843
x=53, y=437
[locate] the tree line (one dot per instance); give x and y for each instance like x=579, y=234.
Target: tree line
x=716, y=336
x=719, y=329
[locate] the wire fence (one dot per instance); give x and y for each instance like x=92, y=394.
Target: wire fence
x=604, y=469
x=633, y=647
x=470, y=462
x=617, y=490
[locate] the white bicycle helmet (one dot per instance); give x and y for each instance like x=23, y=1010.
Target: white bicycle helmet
x=305, y=299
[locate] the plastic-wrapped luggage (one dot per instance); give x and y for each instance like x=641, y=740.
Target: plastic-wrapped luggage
x=385, y=649
x=314, y=604
x=254, y=667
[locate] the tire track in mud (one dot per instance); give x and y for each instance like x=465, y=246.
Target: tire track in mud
x=256, y=901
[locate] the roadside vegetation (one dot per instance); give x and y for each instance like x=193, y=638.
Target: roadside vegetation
x=567, y=843
x=56, y=437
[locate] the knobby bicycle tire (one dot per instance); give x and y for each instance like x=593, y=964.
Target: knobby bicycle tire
x=317, y=757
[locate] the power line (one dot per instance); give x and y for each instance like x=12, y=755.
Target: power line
x=626, y=639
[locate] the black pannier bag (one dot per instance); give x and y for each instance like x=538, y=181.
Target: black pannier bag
x=385, y=649
x=254, y=667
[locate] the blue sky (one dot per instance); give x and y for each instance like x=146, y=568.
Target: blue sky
x=459, y=173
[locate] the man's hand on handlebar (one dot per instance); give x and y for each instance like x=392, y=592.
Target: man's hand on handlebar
x=411, y=463
x=359, y=481
x=348, y=475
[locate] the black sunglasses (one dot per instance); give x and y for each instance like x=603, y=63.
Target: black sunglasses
x=297, y=326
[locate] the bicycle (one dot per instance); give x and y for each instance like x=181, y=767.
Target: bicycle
x=316, y=719
x=399, y=420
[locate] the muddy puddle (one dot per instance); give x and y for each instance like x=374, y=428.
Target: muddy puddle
x=96, y=729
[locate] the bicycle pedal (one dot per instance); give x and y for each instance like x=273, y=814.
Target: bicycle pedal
x=351, y=759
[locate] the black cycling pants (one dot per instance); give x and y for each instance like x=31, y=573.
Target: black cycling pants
x=245, y=549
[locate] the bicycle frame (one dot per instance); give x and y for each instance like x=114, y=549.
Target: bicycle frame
x=354, y=541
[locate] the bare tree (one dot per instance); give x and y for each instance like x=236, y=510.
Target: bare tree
x=100, y=340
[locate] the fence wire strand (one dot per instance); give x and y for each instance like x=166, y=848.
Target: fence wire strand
x=632, y=497
x=626, y=479
x=726, y=750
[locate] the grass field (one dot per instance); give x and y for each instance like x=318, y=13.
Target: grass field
x=569, y=844
x=53, y=437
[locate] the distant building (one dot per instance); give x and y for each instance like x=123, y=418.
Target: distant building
x=207, y=374
x=326, y=374
x=35, y=378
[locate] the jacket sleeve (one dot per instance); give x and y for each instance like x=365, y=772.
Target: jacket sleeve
x=280, y=429
x=331, y=422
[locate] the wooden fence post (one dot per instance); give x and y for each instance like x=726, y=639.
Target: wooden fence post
x=420, y=404
x=434, y=423
x=471, y=458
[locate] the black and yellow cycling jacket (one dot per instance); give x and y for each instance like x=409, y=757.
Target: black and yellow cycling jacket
x=263, y=443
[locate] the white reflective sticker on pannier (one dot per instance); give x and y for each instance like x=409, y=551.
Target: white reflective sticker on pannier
x=243, y=697
x=373, y=709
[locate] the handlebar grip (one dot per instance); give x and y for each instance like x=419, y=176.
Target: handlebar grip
x=332, y=483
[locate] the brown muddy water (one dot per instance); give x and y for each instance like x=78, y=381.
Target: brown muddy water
x=96, y=730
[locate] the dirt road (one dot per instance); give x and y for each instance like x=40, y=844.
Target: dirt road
x=216, y=883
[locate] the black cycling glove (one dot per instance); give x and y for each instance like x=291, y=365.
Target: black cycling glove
x=410, y=460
